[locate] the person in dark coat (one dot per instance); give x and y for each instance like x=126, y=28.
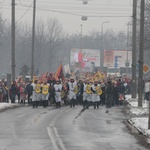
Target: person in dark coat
x=115, y=94
x=80, y=92
x=103, y=95
x=109, y=94
x=121, y=89
x=29, y=90
x=13, y=91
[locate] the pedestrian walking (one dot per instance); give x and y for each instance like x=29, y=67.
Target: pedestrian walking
x=73, y=90
x=58, y=89
x=109, y=97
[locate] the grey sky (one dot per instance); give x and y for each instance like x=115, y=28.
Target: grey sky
x=69, y=13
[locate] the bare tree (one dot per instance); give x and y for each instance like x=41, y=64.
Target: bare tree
x=147, y=25
x=54, y=36
x=41, y=46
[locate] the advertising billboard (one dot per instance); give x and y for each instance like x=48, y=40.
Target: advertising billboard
x=117, y=58
x=85, y=59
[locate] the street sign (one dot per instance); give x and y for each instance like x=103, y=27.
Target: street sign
x=24, y=70
x=146, y=68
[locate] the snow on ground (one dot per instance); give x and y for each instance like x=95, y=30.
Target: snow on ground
x=4, y=106
x=141, y=123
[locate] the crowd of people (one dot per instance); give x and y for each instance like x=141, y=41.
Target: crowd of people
x=109, y=91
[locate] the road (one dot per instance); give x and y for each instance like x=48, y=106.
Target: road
x=66, y=128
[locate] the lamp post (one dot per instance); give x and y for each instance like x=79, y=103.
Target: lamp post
x=134, y=22
x=33, y=40
x=128, y=36
x=81, y=39
x=13, y=64
x=102, y=49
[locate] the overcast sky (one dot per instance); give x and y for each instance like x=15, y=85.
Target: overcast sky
x=69, y=13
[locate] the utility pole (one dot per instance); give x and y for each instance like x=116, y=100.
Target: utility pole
x=141, y=56
x=13, y=65
x=134, y=49
x=127, y=61
x=102, y=47
x=33, y=39
x=81, y=38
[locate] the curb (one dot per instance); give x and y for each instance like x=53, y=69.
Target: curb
x=139, y=130
x=138, y=133
x=10, y=107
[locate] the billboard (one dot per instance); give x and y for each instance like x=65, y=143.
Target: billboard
x=85, y=59
x=117, y=58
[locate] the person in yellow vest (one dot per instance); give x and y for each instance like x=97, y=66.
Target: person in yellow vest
x=38, y=93
x=96, y=90
x=45, y=92
x=87, y=90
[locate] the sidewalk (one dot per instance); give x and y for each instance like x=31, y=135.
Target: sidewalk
x=5, y=106
x=140, y=121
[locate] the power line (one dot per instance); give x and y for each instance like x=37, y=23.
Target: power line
x=77, y=9
x=23, y=4
x=81, y=7
x=24, y=14
x=77, y=14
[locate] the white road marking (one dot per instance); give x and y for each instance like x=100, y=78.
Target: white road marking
x=52, y=138
x=59, y=139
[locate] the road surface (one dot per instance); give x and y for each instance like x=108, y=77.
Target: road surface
x=66, y=128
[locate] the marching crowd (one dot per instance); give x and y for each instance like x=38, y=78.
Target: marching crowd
x=108, y=92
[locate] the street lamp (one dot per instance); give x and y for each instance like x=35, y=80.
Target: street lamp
x=128, y=37
x=33, y=40
x=102, y=49
x=81, y=38
x=13, y=65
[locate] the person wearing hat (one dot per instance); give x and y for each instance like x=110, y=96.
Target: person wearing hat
x=34, y=94
x=79, y=96
x=13, y=91
x=45, y=92
x=103, y=95
x=87, y=94
x=58, y=89
x=115, y=94
x=72, y=85
x=95, y=96
x=29, y=90
x=109, y=94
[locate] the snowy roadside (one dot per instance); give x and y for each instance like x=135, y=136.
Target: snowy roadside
x=5, y=106
x=140, y=121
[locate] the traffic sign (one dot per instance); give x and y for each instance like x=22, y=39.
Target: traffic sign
x=116, y=65
x=146, y=68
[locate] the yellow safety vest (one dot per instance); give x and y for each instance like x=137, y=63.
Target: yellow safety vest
x=38, y=88
x=88, y=89
x=45, y=89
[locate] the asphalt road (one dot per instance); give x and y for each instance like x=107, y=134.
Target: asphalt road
x=65, y=129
